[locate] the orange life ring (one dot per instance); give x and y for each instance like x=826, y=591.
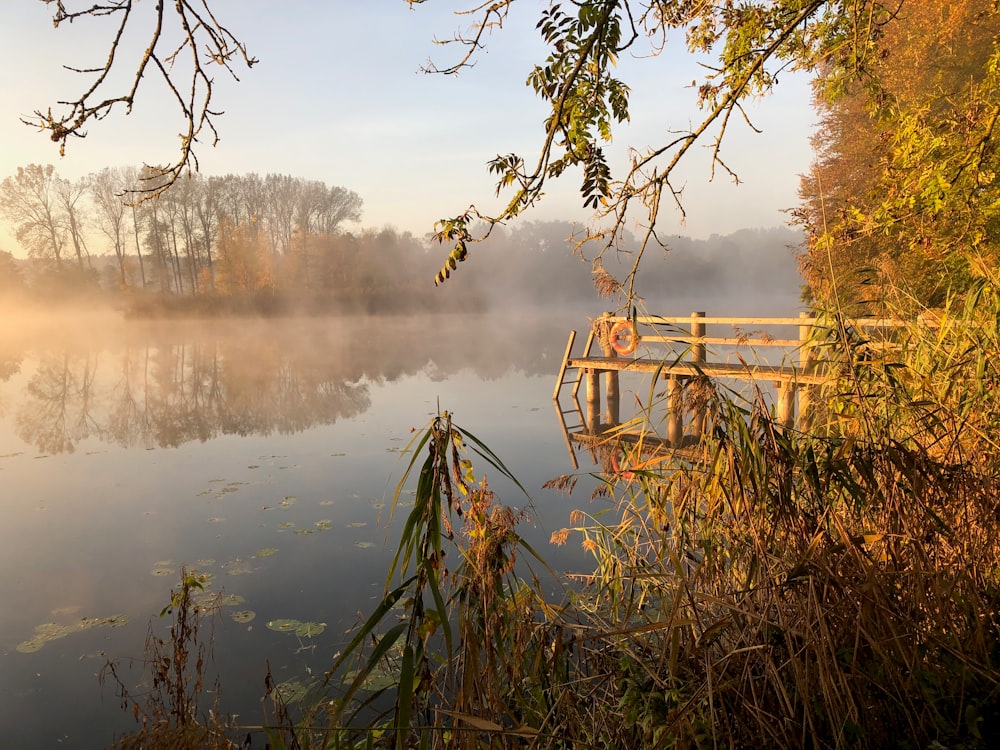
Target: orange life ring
x=633, y=339
x=627, y=475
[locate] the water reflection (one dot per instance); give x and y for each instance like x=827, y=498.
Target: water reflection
x=163, y=386
x=258, y=452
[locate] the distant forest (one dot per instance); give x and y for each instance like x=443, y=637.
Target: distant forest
x=274, y=245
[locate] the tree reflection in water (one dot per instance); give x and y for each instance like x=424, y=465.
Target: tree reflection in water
x=161, y=385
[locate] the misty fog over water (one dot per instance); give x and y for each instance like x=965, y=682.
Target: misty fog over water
x=264, y=453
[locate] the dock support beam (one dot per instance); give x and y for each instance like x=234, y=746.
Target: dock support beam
x=611, y=376
x=675, y=411
x=786, y=404
x=593, y=401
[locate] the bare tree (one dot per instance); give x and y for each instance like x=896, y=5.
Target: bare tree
x=105, y=189
x=282, y=195
x=29, y=201
x=69, y=195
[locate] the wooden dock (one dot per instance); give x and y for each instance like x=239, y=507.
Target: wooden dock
x=677, y=350
x=686, y=350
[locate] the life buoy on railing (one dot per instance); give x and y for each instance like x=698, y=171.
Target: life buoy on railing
x=616, y=461
x=623, y=337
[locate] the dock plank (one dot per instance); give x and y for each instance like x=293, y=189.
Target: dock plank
x=692, y=369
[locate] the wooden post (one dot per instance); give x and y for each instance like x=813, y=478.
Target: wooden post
x=698, y=330
x=675, y=411
x=699, y=420
x=593, y=401
x=807, y=362
x=611, y=376
x=786, y=404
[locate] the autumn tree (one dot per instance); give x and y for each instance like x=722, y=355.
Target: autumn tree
x=243, y=265
x=71, y=197
x=903, y=193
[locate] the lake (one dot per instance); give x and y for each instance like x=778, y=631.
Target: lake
x=262, y=453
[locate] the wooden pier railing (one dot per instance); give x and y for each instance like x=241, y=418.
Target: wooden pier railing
x=678, y=350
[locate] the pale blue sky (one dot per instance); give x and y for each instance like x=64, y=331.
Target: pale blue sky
x=337, y=97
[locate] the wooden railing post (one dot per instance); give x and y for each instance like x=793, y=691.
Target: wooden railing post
x=807, y=363
x=786, y=403
x=675, y=411
x=698, y=352
x=611, y=376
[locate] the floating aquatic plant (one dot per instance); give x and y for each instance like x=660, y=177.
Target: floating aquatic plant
x=52, y=631
x=301, y=629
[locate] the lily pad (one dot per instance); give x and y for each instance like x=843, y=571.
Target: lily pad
x=357, y=524
x=243, y=615
x=292, y=691
x=163, y=571
x=383, y=675
x=288, y=501
x=51, y=631
x=267, y=552
x=238, y=567
x=301, y=629
x=310, y=629
x=364, y=545
x=324, y=525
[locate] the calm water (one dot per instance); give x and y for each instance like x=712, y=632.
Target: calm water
x=263, y=453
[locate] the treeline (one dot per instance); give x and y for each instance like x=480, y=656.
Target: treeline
x=250, y=240
x=272, y=245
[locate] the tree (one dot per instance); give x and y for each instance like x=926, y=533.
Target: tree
x=69, y=195
x=112, y=213
x=29, y=200
x=903, y=193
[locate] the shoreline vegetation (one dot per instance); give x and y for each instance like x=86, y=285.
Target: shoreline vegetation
x=836, y=587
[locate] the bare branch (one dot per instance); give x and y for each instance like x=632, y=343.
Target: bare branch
x=198, y=31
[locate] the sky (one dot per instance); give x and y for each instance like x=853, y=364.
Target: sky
x=338, y=96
